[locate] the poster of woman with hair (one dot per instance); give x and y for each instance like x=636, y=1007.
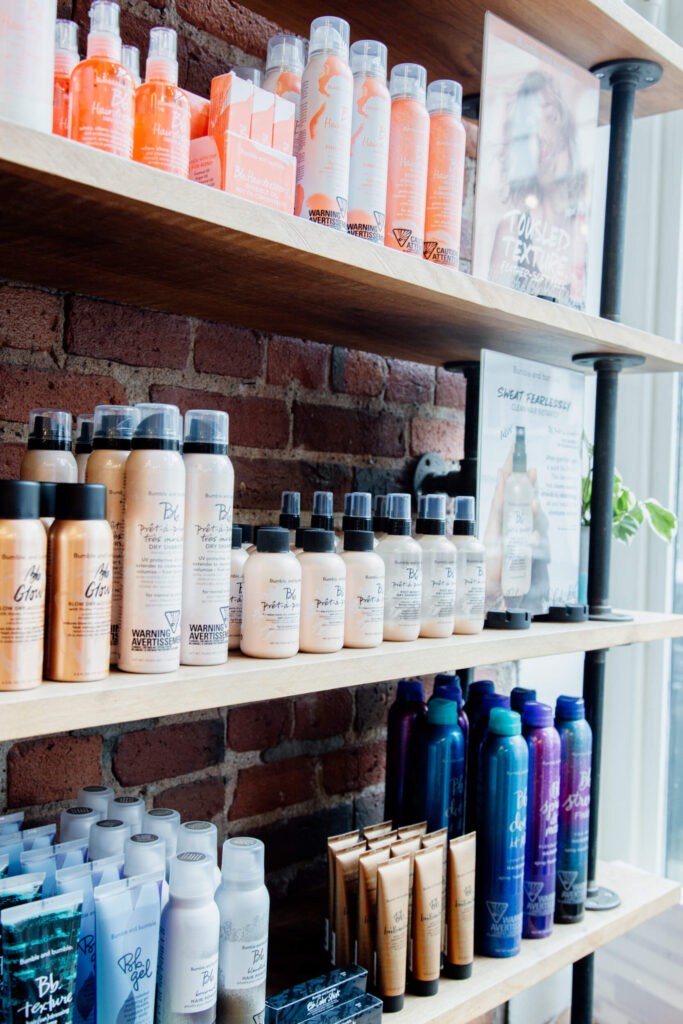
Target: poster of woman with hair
x=537, y=139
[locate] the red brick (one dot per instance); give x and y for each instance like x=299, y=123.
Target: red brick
x=347, y=771
x=292, y=359
x=29, y=318
x=320, y=715
x=167, y=751
x=229, y=351
x=409, y=382
x=22, y=390
x=259, y=726
x=441, y=436
x=45, y=770
x=451, y=389
x=326, y=428
x=358, y=373
x=254, y=422
x=125, y=334
x=372, y=705
x=10, y=460
x=231, y=22
x=267, y=787
x=196, y=801
x=259, y=482
x=197, y=65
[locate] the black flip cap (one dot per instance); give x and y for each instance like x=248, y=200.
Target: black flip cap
x=457, y=971
x=463, y=528
x=318, y=541
x=392, y=1004
x=299, y=537
x=273, y=539
x=435, y=527
x=359, y=540
x=48, y=500
x=81, y=501
x=247, y=533
x=424, y=988
x=289, y=521
x=379, y=524
x=237, y=536
x=319, y=522
x=19, y=499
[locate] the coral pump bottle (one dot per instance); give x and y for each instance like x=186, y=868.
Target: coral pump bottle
x=66, y=59
x=162, y=111
x=102, y=110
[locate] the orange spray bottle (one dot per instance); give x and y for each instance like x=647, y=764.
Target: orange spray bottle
x=323, y=142
x=446, y=175
x=284, y=69
x=369, y=141
x=162, y=110
x=102, y=108
x=66, y=59
x=408, y=155
x=130, y=58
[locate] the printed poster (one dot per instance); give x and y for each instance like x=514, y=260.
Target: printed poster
x=535, y=166
x=529, y=482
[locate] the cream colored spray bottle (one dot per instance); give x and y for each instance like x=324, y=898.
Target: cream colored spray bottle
x=470, y=570
x=83, y=447
x=323, y=594
x=402, y=558
x=365, y=574
x=153, y=543
x=238, y=557
x=112, y=435
x=437, y=615
x=369, y=141
x=48, y=456
x=210, y=482
x=272, y=597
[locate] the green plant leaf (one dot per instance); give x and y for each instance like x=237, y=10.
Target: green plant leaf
x=662, y=521
x=625, y=528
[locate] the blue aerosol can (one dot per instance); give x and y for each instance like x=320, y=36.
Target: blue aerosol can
x=439, y=779
x=408, y=707
x=543, y=803
x=477, y=733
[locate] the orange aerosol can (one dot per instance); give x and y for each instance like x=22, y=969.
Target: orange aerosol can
x=408, y=155
x=446, y=174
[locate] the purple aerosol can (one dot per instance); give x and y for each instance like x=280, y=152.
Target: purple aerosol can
x=543, y=803
x=575, y=805
x=403, y=714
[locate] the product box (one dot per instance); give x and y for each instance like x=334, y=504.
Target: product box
x=262, y=112
x=365, y=1009
x=199, y=111
x=284, y=117
x=308, y=1000
x=244, y=168
x=230, y=106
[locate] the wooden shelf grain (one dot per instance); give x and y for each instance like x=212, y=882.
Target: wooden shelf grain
x=123, y=697
x=86, y=221
x=447, y=36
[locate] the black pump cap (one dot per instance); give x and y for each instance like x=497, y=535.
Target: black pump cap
x=434, y=527
x=319, y=522
x=463, y=528
x=19, y=499
x=356, y=523
x=299, y=537
x=247, y=532
x=201, y=439
x=83, y=444
x=81, y=501
x=237, y=537
x=48, y=500
x=319, y=541
x=49, y=432
x=359, y=540
x=397, y=527
x=273, y=539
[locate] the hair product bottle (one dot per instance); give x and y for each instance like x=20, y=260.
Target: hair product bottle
x=23, y=547
x=130, y=809
x=470, y=570
x=130, y=58
x=80, y=554
x=323, y=594
x=284, y=69
x=76, y=822
x=48, y=456
x=162, y=110
x=369, y=141
x=200, y=837
x=244, y=907
x=208, y=538
x=446, y=173
x=543, y=804
x=271, y=597
x=163, y=822
x=379, y=519
x=107, y=839
x=102, y=108
x=575, y=803
x=357, y=513
x=519, y=695
x=447, y=687
x=501, y=835
x=323, y=142
x=478, y=728
x=438, y=780
x=84, y=432
x=408, y=156
x=27, y=43
x=112, y=435
x=518, y=524
x=404, y=713
x=97, y=797
x=153, y=543
x=402, y=558
x=437, y=614
x=365, y=573
x=238, y=557
x=66, y=59
x=188, y=944
x=290, y=513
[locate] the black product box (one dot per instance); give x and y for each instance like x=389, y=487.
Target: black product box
x=309, y=999
x=365, y=1009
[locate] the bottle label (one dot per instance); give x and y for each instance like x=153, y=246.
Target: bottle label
x=236, y=588
x=206, y=567
x=369, y=158
x=470, y=585
x=542, y=829
x=22, y=617
x=194, y=987
x=243, y=964
x=407, y=180
x=275, y=614
x=438, y=586
x=323, y=611
x=365, y=607
x=103, y=109
x=403, y=591
x=444, y=189
x=574, y=821
x=503, y=870
x=162, y=130
x=516, y=572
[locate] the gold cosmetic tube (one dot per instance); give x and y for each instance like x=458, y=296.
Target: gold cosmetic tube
x=426, y=929
x=374, y=831
x=461, y=867
x=393, y=881
x=408, y=831
x=440, y=839
x=367, y=906
x=381, y=841
x=335, y=843
x=346, y=902
x=407, y=847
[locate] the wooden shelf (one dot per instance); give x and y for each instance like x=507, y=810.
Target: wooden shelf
x=59, y=707
x=295, y=943
x=447, y=36
x=82, y=220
